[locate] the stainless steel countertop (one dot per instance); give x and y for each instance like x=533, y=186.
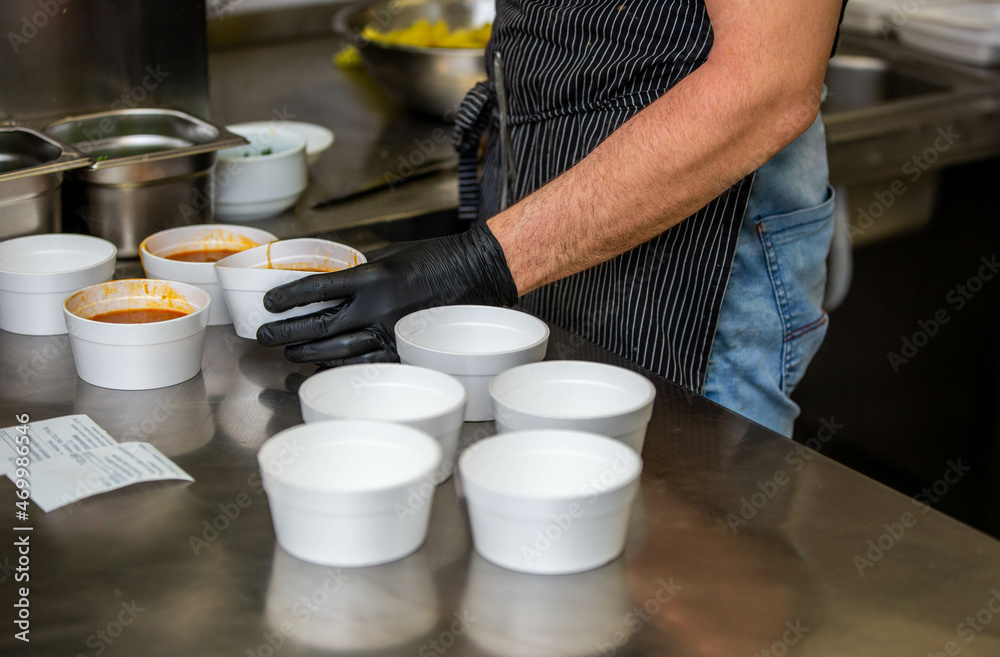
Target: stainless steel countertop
x=122, y=573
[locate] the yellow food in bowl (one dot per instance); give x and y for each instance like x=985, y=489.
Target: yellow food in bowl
x=425, y=34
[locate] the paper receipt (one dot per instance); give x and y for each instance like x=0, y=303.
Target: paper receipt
x=72, y=458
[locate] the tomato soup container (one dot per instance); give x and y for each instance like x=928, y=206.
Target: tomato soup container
x=137, y=356
x=156, y=252
x=549, y=502
x=247, y=276
x=341, y=491
x=417, y=397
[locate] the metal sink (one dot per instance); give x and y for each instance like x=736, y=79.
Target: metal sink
x=887, y=104
x=857, y=82
x=894, y=118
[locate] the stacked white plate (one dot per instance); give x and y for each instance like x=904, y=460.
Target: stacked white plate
x=868, y=16
x=966, y=32
x=881, y=17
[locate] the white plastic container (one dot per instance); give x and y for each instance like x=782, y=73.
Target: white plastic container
x=318, y=139
x=338, y=490
x=473, y=344
x=155, y=252
x=417, y=397
x=967, y=32
x=137, y=356
x=576, y=395
x=549, y=502
x=38, y=272
x=262, y=179
x=245, y=278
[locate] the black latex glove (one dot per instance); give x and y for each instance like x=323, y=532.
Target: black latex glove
x=468, y=268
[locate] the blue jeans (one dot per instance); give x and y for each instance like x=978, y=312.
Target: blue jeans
x=772, y=322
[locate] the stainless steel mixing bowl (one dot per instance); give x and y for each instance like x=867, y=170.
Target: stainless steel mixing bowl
x=432, y=81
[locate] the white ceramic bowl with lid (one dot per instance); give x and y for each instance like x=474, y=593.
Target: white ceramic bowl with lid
x=338, y=490
x=245, y=277
x=549, y=502
x=417, y=397
x=583, y=396
x=38, y=272
x=156, y=250
x=473, y=344
x=137, y=356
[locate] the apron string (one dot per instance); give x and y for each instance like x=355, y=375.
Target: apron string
x=475, y=113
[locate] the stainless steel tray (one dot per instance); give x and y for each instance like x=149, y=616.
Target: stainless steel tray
x=25, y=152
x=132, y=136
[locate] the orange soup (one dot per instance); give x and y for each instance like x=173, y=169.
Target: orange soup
x=138, y=316
x=208, y=255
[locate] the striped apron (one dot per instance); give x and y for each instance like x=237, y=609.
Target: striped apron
x=576, y=70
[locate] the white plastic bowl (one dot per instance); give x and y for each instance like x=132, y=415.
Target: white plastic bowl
x=262, y=179
x=38, y=272
x=549, y=502
x=245, y=278
x=155, y=252
x=137, y=356
x=582, y=396
x=473, y=344
x=417, y=397
x=338, y=490
x=318, y=139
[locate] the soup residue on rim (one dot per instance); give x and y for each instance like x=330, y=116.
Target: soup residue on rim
x=319, y=268
x=318, y=265
x=132, y=294
x=208, y=247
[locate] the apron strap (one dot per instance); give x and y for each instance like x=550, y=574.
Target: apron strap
x=476, y=112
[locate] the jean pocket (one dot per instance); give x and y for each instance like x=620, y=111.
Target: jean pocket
x=799, y=224
x=796, y=245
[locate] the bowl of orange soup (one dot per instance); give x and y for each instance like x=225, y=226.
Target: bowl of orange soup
x=137, y=334
x=247, y=276
x=188, y=254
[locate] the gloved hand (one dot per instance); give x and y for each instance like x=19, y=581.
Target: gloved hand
x=468, y=268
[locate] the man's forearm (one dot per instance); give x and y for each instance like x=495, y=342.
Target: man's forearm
x=713, y=128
